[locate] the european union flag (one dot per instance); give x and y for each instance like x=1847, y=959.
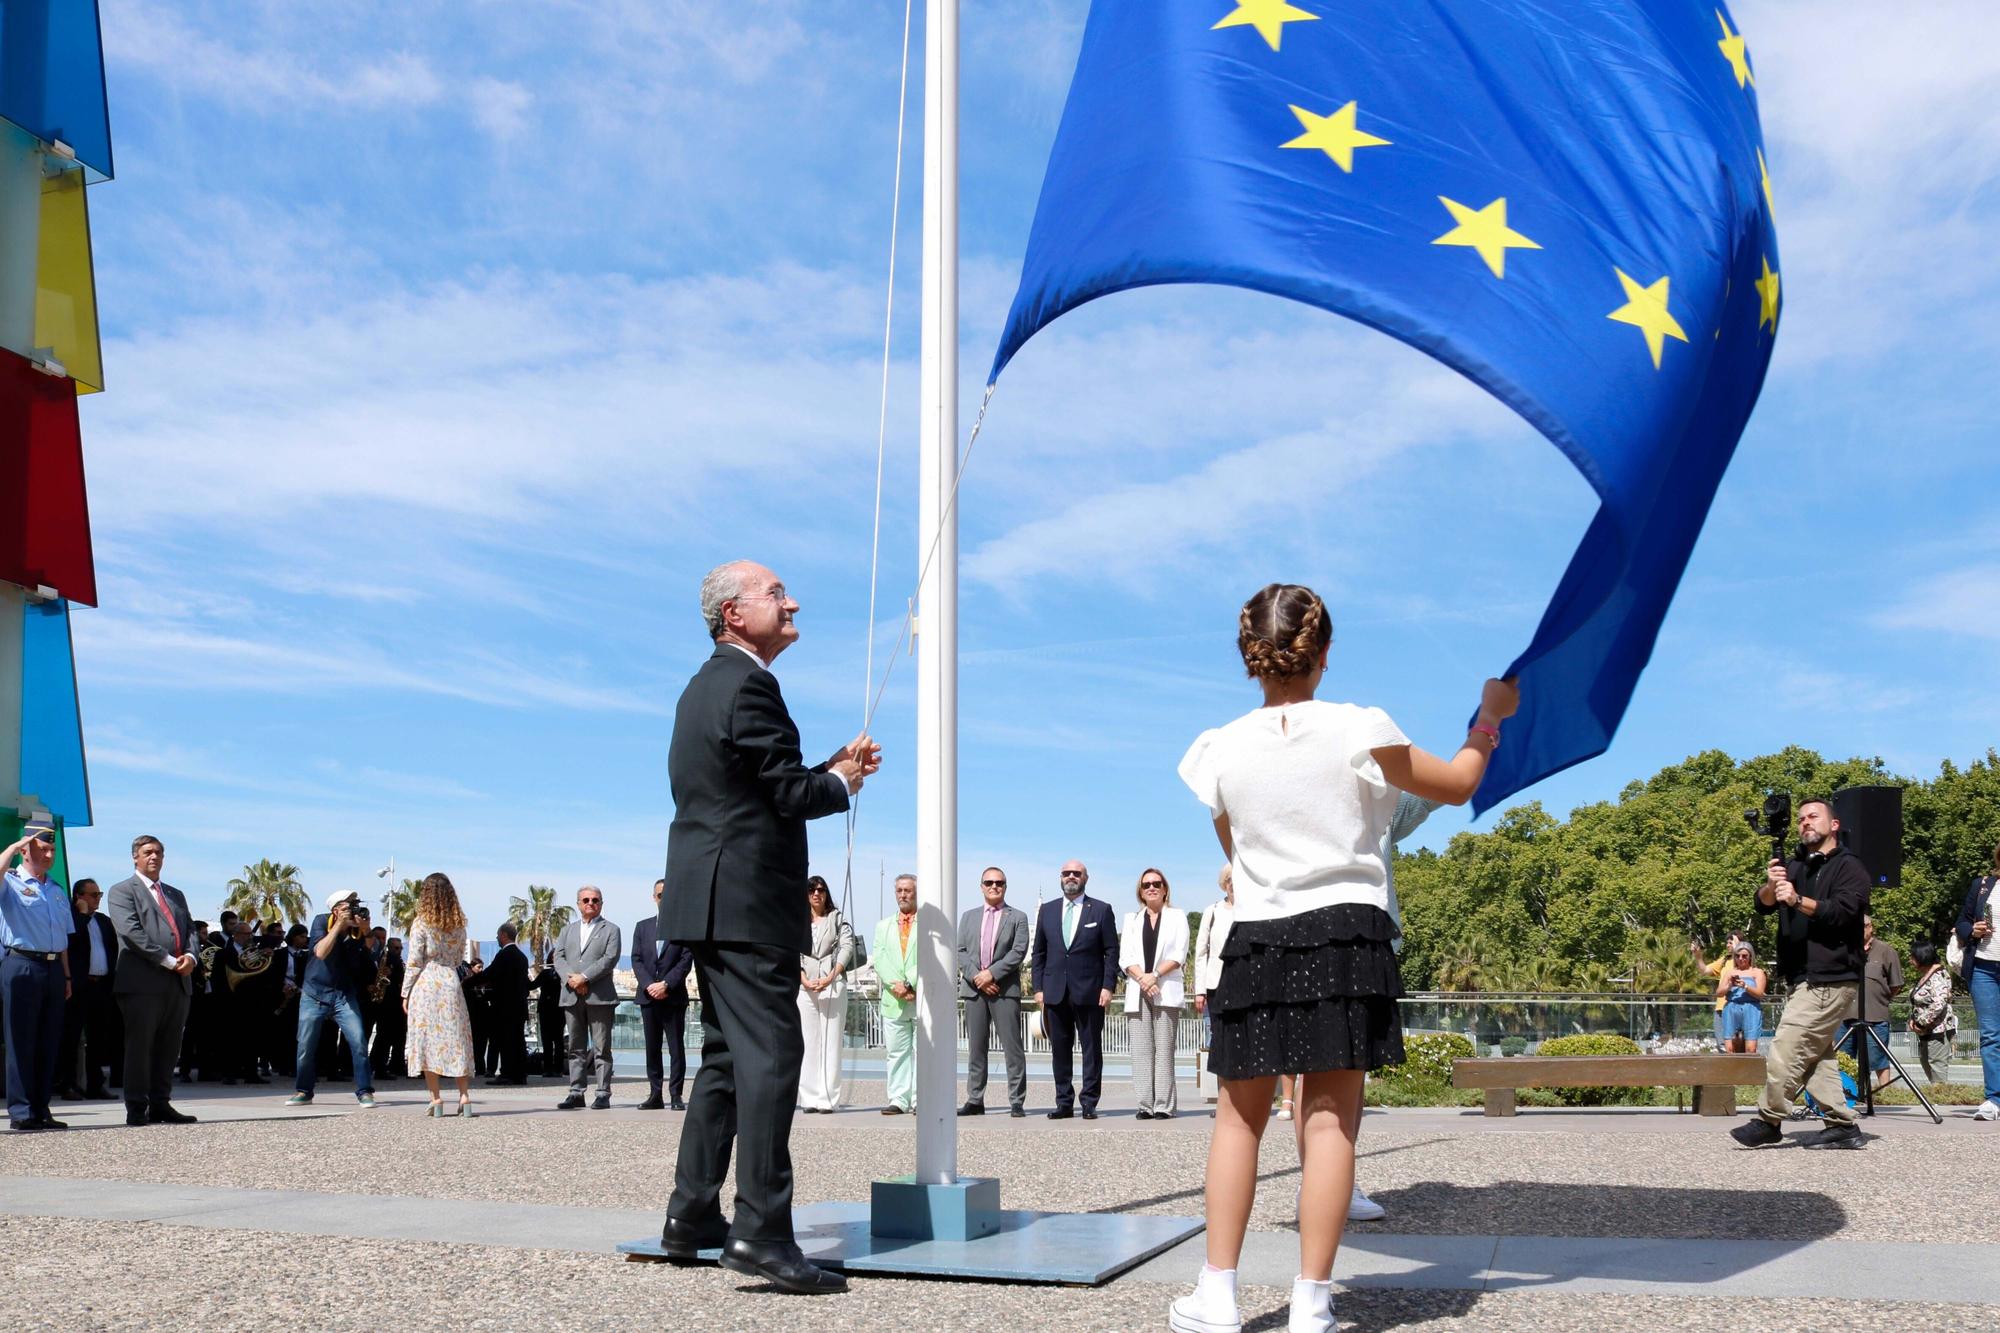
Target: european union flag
x=1566, y=203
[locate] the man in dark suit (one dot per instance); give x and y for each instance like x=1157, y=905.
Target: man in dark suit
x=90, y=1021
x=153, y=981
x=505, y=983
x=660, y=967
x=735, y=895
x=1076, y=967
x=548, y=1018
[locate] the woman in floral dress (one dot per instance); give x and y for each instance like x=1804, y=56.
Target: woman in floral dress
x=440, y=1037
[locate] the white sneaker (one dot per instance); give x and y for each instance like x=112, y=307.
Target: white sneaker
x=1988, y=1110
x=1210, y=1308
x=1312, y=1307
x=1361, y=1208
x=1285, y=1109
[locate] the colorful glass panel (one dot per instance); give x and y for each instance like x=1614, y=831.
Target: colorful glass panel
x=66, y=288
x=52, y=76
x=45, y=514
x=52, y=769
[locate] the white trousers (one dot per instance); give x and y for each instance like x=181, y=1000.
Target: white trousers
x=823, y=1019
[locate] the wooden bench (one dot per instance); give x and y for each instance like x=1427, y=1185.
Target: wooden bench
x=1714, y=1078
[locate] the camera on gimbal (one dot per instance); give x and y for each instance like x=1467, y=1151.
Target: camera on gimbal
x=1774, y=821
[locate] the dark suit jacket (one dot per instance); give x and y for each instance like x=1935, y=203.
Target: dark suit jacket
x=1090, y=964
x=505, y=981
x=671, y=964
x=79, y=945
x=736, y=854
x=144, y=942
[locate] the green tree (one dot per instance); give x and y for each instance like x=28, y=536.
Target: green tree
x=268, y=891
x=541, y=918
x=399, y=905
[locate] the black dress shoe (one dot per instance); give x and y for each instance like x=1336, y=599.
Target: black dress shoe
x=653, y=1103
x=167, y=1115
x=892, y=1109
x=1017, y=1112
x=98, y=1094
x=68, y=1095
x=1061, y=1113
x=782, y=1264
x=1143, y=1115
x=973, y=1108
x=677, y=1105
x=50, y=1122
x=137, y=1117
x=24, y=1126
x=601, y=1102
x=573, y=1102
x=1090, y=1115
x=685, y=1240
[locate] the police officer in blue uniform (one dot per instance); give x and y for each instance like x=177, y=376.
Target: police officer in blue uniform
x=35, y=925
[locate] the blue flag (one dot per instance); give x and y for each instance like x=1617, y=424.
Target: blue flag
x=1566, y=203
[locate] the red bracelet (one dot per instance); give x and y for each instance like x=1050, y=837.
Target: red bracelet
x=1485, y=730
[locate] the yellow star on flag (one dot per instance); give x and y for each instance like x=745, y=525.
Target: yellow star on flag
x=1485, y=230
x=1268, y=17
x=1334, y=135
x=1646, y=310
x=1736, y=51
x=1764, y=174
x=1767, y=290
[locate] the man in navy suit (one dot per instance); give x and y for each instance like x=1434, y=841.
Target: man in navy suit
x=660, y=967
x=1076, y=966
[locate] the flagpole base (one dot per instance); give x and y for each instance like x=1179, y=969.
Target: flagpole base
x=965, y=1209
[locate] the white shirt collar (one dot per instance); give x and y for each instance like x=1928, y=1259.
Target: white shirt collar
x=749, y=654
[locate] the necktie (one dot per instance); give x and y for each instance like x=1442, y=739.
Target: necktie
x=1069, y=923
x=160, y=895
x=986, y=938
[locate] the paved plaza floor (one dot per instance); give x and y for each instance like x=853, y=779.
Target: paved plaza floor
x=334, y=1217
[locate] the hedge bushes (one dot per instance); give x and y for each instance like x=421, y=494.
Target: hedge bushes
x=1596, y=1043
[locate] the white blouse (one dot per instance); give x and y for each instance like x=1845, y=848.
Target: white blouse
x=1308, y=806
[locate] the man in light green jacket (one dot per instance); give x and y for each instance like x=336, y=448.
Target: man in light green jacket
x=895, y=960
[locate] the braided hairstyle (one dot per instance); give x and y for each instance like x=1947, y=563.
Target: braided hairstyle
x=1282, y=631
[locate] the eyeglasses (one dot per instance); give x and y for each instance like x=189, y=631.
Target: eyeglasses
x=1154, y=884
x=591, y=901
x=776, y=593
x=993, y=883
x=1072, y=874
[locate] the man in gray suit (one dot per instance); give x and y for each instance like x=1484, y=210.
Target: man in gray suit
x=992, y=941
x=585, y=954
x=153, y=981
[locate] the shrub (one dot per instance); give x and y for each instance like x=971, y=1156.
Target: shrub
x=1417, y=1092
x=1427, y=1057
x=1511, y=1046
x=1597, y=1043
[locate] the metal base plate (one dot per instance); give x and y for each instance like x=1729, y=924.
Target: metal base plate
x=1084, y=1249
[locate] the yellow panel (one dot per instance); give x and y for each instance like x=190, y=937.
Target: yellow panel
x=66, y=299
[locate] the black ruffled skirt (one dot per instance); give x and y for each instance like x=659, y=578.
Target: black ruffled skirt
x=1300, y=994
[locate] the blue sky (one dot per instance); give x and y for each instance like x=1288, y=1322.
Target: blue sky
x=448, y=346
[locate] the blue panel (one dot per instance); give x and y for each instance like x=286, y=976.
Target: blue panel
x=1072, y=1248
x=51, y=725
x=52, y=76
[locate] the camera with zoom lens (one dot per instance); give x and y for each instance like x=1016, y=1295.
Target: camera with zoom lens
x=1774, y=821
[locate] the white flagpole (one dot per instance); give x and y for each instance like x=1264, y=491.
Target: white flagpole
x=937, y=614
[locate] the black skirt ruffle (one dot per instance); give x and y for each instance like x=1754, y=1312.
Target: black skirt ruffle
x=1305, y=993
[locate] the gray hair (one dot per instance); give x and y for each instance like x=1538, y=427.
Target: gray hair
x=722, y=584
x=911, y=878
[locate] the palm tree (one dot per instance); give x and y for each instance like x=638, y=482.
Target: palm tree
x=1462, y=970
x=399, y=905
x=540, y=918
x=268, y=891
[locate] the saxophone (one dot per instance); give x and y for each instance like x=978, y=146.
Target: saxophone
x=378, y=989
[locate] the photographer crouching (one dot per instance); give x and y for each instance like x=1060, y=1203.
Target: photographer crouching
x=1820, y=902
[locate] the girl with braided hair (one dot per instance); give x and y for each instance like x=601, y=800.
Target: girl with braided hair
x=1302, y=791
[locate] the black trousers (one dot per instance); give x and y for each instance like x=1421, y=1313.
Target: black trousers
x=666, y=1018
x=1082, y=1023
x=153, y=1024
x=745, y=1091
x=555, y=1063
x=91, y=1039
x=510, y=1035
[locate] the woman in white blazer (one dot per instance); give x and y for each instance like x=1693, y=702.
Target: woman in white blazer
x=1208, y=942
x=1150, y=950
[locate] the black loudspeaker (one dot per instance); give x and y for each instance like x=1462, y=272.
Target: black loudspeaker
x=1871, y=824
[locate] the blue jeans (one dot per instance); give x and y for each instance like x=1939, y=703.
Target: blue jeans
x=346, y=1013
x=1985, y=988
x=1851, y=1041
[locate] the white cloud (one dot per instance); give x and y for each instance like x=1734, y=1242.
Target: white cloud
x=1962, y=602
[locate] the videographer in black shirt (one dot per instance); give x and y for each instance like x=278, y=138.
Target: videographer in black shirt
x=1820, y=902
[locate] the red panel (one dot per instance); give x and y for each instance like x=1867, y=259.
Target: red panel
x=44, y=516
